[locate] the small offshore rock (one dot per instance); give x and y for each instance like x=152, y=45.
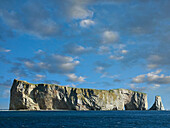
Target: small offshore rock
x=158, y=105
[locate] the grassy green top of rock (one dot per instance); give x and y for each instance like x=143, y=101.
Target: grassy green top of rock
x=95, y=90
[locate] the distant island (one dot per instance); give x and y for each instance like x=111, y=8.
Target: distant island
x=28, y=96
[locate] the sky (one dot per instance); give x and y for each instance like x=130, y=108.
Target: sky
x=98, y=44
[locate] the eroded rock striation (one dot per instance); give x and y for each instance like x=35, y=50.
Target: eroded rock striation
x=29, y=96
x=158, y=105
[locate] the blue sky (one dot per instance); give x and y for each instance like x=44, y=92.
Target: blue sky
x=101, y=44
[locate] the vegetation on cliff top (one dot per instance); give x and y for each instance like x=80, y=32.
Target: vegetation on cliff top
x=96, y=90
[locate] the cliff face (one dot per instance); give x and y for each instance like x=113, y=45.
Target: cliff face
x=29, y=96
x=158, y=105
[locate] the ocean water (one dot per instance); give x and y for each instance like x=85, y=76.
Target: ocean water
x=84, y=119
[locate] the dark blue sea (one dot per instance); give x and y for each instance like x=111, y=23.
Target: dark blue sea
x=84, y=119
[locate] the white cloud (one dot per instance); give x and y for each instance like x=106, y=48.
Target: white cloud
x=78, y=11
x=99, y=69
x=110, y=37
x=4, y=50
x=139, y=79
x=77, y=49
x=30, y=21
x=152, y=78
x=39, y=77
x=39, y=51
x=152, y=66
x=51, y=82
x=119, y=46
x=124, y=51
x=154, y=58
x=18, y=70
x=86, y=23
x=71, y=85
x=159, y=59
x=53, y=63
x=156, y=85
x=157, y=71
x=73, y=78
x=139, y=88
x=28, y=64
x=102, y=69
x=135, y=87
x=107, y=75
x=103, y=49
x=116, y=57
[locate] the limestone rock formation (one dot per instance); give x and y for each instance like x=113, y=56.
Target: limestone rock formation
x=158, y=105
x=29, y=96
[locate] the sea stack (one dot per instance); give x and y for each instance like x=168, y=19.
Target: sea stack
x=158, y=105
x=27, y=96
